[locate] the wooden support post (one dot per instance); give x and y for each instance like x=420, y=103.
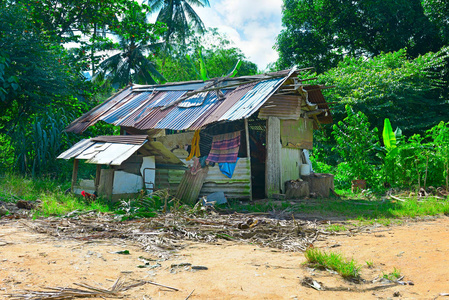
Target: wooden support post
x=97, y=177
x=74, y=174
x=248, y=154
x=273, y=161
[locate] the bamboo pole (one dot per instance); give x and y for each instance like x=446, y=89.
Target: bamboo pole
x=248, y=154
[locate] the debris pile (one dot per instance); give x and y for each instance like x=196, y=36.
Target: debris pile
x=170, y=231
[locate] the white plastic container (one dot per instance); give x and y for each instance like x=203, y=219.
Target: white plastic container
x=305, y=169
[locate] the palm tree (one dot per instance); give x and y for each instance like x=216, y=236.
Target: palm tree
x=176, y=14
x=136, y=42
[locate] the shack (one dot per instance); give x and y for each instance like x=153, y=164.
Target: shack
x=243, y=136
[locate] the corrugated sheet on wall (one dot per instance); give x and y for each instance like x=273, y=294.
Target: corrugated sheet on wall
x=236, y=187
x=290, y=165
x=239, y=186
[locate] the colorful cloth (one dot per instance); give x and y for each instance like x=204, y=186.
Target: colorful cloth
x=195, y=150
x=225, y=148
x=227, y=168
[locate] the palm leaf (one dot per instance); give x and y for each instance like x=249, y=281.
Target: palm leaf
x=193, y=16
x=389, y=138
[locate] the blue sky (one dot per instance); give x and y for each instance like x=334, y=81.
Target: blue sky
x=252, y=25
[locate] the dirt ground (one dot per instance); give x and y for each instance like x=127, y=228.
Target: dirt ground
x=29, y=260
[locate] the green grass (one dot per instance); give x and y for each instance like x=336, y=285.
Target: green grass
x=369, y=264
x=353, y=207
x=336, y=228
x=348, y=269
x=57, y=204
x=349, y=207
x=54, y=202
x=393, y=276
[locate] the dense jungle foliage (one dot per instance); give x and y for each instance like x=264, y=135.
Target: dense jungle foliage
x=385, y=59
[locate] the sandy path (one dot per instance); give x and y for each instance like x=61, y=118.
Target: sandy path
x=420, y=250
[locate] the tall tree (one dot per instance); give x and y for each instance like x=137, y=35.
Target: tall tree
x=392, y=86
x=177, y=14
x=36, y=71
x=219, y=55
x=321, y=32
x=137, y=44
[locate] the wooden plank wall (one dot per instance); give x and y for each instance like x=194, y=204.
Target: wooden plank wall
x=272, y=167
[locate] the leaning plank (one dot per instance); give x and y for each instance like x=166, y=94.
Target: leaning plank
x=190, y=186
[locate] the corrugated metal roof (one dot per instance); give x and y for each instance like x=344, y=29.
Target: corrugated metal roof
x=159, y=106
x=222, y=106
x=106, y=150
x=181, y=118
x=75, y=149
x=91, y=117
x=167, y=98
x=122, y=139
x=252, y=100
x=134, y=102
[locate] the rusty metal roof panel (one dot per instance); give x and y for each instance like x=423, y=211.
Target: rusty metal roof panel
x=252, y=100
x=182, y=118
x=167, y=98
x=281, y=106
x=224, y=105
x=315, y=96
x=92, y=116
x=152, y=117
x=120, y=112
x=137, y=114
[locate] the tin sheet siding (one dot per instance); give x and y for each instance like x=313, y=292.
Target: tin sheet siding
x=290, y=165
x=239, y=186
x=236, y=187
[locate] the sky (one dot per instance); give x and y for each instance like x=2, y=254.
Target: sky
x=252, y=25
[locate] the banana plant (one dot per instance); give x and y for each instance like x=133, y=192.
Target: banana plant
x=390, y=140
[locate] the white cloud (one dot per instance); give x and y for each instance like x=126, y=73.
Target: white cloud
x=252, y=25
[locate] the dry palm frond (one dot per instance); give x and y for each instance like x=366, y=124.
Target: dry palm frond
x=60, y=293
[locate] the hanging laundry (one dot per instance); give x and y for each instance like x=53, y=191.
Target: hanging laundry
x=228, y=168
x=195, y=149
x=225, y=148
x=205, y=143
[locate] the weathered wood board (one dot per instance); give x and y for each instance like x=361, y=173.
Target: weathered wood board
x=297, y=133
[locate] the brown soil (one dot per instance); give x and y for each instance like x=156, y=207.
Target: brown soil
x=30, y=260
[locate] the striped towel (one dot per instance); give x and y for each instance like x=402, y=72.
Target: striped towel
x=225, y=148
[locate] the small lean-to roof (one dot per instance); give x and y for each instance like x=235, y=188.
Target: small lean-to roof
x=186, y=105
x=115, y=149
x=106, y=150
